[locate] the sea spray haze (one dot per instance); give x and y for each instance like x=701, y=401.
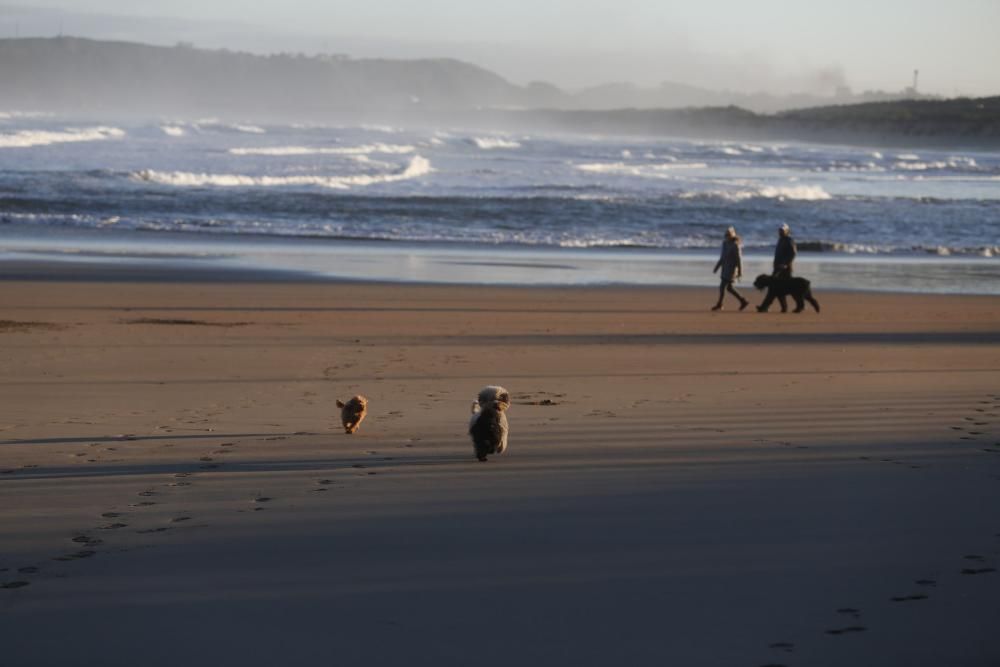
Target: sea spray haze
x=449, y=185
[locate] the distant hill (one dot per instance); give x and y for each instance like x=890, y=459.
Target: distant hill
x=973, y=122
x=82, y=76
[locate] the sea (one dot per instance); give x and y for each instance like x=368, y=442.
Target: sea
x=452, y=205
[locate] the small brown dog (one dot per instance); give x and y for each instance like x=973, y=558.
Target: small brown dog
x=353, y=413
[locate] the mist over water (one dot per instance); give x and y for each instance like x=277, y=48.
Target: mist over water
x=493, y=189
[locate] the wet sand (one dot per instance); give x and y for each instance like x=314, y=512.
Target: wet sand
x=682, y=487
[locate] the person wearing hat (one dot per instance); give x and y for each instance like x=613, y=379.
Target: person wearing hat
x=784, y=253
x=731, y=263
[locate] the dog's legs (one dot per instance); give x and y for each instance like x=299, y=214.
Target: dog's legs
x=810, y=299
x=766, y=303
x=799, y=303
x=783, y=300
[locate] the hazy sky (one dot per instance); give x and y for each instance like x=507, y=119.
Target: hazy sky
x=781, y=45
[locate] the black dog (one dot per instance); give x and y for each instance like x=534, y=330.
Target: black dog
x=780, y=288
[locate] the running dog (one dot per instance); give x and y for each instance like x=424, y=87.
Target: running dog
x=353, y=413
x=488, y=424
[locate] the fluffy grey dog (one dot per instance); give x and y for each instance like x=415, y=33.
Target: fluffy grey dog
x=488, y=424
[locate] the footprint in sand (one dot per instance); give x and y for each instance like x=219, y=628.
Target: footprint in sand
x=850, y=611
x=909, y=598
x=159, y=529
x=179, y=519
x=15, y=584
x=111, y=515
x=925, y=582
x=787, y=647
x=29, y=569
x=79, y=555
x=114, y=526
x=848, y=630
x=87, y=540
x=978, y=570
x=144, y=503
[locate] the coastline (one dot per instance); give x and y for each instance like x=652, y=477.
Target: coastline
x=32, y=253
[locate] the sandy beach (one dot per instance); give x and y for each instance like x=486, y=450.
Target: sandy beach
x=682, y=487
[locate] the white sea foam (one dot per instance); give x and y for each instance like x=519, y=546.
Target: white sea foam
x=643, y=170
x=216, y=124
x=367, y=149
x=29, y=138
x=729, y=150
x=492, y=143
x=384, y=129
x=173, y=130
x=795, y=192
x=907, y=156
x=950, y=163
x=417, y=167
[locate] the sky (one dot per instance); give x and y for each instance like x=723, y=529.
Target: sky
x=779, y=46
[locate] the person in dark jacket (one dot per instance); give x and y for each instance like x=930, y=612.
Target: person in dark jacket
x=731, y=263
x=784, y=253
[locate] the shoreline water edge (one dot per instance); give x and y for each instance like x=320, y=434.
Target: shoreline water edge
x=46, y=253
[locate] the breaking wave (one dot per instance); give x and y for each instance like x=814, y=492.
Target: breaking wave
x=796, y=192
x=173, y=130
x=417, y=167
x=29, y=138
x=644, y=170
x=492, y=143
x=367, y=149
x=953, y=163
x=216, y=124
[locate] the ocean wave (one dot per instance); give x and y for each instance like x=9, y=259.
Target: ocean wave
x=417, y=167
x=795, y=192
x=645, y=170
x=886, y=249
x=29, y=138
x=952, y=163
x=218, y=125
x=173, y=130
x=367, y=149
x=492, y=143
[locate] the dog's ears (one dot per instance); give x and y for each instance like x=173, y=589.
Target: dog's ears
x=504, y=398
x=340, y=403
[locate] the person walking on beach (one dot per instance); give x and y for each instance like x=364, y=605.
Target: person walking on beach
x=731, y=263
x=784, y=253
